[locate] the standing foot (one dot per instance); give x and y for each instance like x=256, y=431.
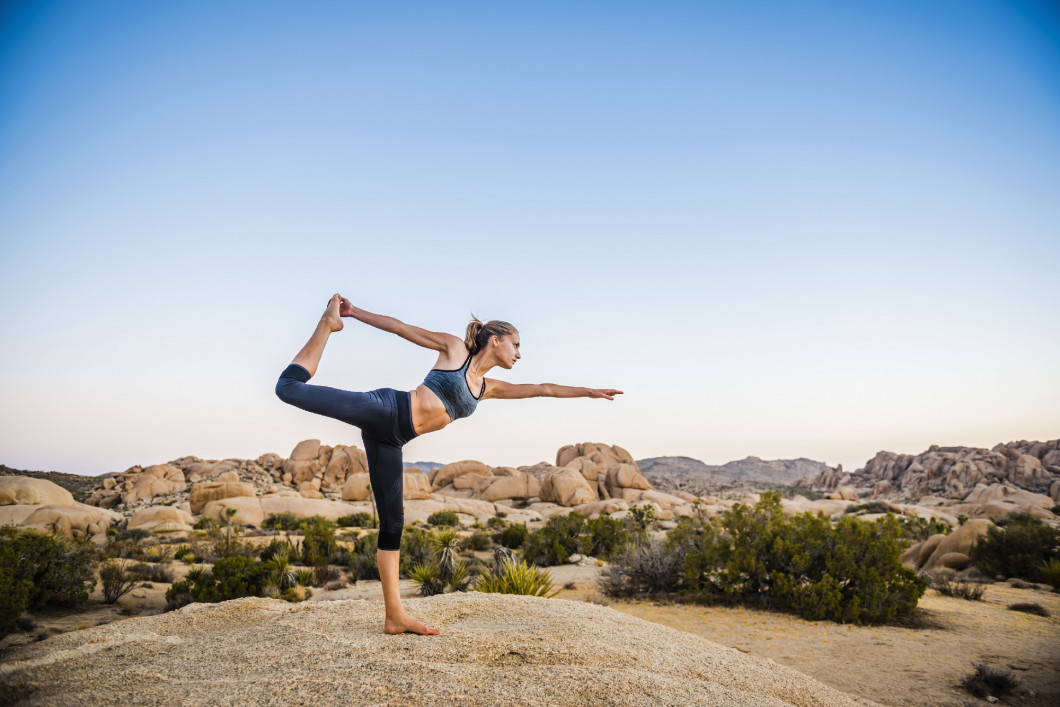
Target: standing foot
x=408, y=625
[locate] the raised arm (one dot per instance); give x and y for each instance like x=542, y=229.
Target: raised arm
x=510, y=391
x=434, y=340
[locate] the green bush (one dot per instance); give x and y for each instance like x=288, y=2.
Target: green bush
x=753, y=555
x=497, y=522
x=318, y=540
x=204, y=523
x=479, y=541
x=443, y=518
x=513, y=536
x=608, y=537
x=362, y=562
x=118, y=580
x=560, y=538
x=1018, y=549
x=361, y=519
x=281, y=521
x=230, y=578
x=427, y=578
x=40, y=570
x=1049, y=572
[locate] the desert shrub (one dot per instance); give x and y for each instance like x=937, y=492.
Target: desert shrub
x=152, y=572
x=182, y=552
x=304, y=576
x=442, y=569
x=1018, y=549
x=990, y=681
x=296, y=593
x=560, y=538
x=1029, y=608
x=230, y=578
x=849, y=573
x=513, y=536
x=868, y=507
x=281, y=521
x=642, y=516
x=325, y=574
x=916, y=529
x=517, y=578
x=962, y=518
x=443, y=518
x=58, y=571
x=204, y=523
x=609, y=537
x=362, y=563
x=643, y=568
x=291, y=551
x=478, y=541
x=415, y=548
x=497, y=522
x=279, y=572
x=117, y=578
x=361, y=519
x=318, y=540
x=958, y=589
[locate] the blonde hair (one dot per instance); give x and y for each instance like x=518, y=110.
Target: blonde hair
x=478, y=334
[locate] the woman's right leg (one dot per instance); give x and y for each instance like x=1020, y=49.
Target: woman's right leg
x=309, y=357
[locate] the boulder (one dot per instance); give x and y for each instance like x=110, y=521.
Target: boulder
x=306, y=450
x=71, y=521
x=161, y=519
x=155, y=480
x=447, y=473
x=928, y=554
x=228, y=476
x=25, y=490
x=472, y=481
x=606, y=507
x=517, y=485
x=625, y=476
x=206, y=491
x=567, y=487
x=415, y=486
x=953, y=560
x=356, y=488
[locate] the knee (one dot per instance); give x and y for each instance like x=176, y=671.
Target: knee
x=389, y=540
x=292, y=377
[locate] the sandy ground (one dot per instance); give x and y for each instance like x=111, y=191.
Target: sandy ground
x=893, y=665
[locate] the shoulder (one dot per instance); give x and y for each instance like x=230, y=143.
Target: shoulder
x=454, y=355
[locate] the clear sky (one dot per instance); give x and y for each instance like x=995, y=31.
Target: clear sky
x=812, y=229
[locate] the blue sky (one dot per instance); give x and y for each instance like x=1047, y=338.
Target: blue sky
x=812, y=229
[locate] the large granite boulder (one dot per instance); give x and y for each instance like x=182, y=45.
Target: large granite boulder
x=928, y=555
x=206, y=491
x=28, y=491
x=567, y=487
x=161, y=519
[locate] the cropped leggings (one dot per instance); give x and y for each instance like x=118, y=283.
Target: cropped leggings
x=385, y=419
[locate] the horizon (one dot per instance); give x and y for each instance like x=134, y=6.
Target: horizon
x=786, y=231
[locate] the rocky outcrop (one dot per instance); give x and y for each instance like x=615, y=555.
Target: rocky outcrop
x=161, y=519
x=494, y=649
x=203, y=493
x=950, y=551
x=27, y=491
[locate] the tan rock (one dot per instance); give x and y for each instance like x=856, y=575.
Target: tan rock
x=607, y=507
x=161, y=519
x=416, y=486
x=567, y=487
x=70, y=521
x=306, y=450
x=356, y=488
x=954, y=560
x=625, y=476
x=928, y=554
x=449, y=472
x=518, y=485
x=228, y=476
x=300, y=471
x=203, y=493
x=25, y=490
x=665, y=501
x=474, y=482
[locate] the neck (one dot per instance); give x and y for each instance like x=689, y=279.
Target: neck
x=481, y=363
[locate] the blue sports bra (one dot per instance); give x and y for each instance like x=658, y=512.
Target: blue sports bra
x=452, y=389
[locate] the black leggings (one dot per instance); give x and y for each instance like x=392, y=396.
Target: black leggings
x=385, y=419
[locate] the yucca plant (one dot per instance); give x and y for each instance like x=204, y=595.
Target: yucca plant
x=444, y=544
x=518, y=578
x=460, y=578
x=427, y=577
x=280, y=569
x=1049, y=571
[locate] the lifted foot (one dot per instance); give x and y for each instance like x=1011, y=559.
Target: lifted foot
x=331, y=314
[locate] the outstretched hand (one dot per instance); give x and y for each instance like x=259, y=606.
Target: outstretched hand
x=608, y=393
x=345, y=307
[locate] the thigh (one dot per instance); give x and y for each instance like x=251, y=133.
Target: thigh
x=355, y=408
x=387, y=474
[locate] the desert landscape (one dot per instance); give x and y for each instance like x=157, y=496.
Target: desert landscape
x=500, y=648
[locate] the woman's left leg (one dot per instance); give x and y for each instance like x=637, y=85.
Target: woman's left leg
x=387, y=474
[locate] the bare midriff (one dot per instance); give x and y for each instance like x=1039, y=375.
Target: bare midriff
x=428, y=411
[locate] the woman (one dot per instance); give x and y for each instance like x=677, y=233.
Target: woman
x=389, y=418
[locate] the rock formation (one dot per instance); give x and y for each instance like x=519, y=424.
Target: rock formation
x=494, y=649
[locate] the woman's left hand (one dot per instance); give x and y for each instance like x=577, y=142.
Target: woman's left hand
x=608, y=393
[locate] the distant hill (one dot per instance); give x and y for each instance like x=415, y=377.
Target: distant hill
x=425, y=466
x=78, y=485
x=673, y=473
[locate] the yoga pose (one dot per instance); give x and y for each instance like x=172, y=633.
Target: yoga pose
x=389, y=418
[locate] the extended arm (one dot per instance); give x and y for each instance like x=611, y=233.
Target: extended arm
x=434, y=340
x=510, y=391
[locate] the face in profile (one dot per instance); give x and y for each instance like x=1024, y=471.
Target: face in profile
x=508, y=349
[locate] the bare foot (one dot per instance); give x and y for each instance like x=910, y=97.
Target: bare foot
x=408, y=625
x=331, y=314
